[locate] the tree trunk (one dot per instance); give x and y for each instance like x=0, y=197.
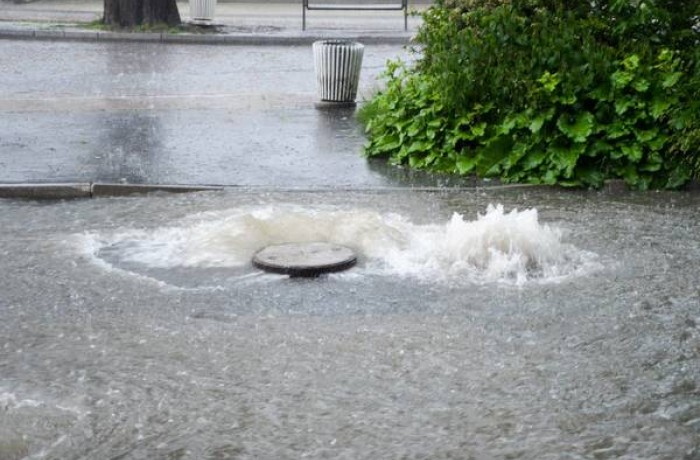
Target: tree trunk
x=130, y=13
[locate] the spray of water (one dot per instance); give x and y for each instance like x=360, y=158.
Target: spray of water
x=498, y=246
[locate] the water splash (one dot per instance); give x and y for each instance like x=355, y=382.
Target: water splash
x=508, y=247
x=511, y=247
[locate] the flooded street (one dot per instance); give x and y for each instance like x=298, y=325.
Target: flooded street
x=478, y=323
x=572, y=333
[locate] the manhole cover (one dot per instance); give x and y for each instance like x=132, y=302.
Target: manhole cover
x=304, y=259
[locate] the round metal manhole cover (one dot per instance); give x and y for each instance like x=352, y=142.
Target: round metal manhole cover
x=304, y=259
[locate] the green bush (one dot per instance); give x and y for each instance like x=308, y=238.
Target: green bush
x=547, y=91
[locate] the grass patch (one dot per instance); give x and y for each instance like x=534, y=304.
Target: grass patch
x=161, y=27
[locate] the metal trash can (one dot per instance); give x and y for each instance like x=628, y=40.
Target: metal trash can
x=338, y=64
x=202, y=11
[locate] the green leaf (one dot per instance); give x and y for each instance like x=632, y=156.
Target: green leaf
x=568, y=99
x=577, y=127
x=520, y=149
x=549, y=81
x=506, y=126
x=617, y=130
x=658, y=142
x=387, y=143
x=659, y=107
x=645, y=136
x=415, y=162
x=633, y=152
x=478, y=130
x=539, y=121
x=418, y=147
x=630, y=175
x=671, y=79
x=433, y=157
x=620, y=79
x=413, y=129
x=622, y=104
x=631, y=62
x=590, y=176
x=511, y=121
x=533, y=159
x=465, y=164
x=565, y=158
x=602, y=93
x=492, y=154
x=550, y=177
x=598, y=147
x=641, y=85
x=653, y=162
x=678, y=177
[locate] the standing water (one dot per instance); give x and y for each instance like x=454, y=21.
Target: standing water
x=511, y=323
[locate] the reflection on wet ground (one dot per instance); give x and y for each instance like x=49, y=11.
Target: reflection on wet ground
x=103, y=358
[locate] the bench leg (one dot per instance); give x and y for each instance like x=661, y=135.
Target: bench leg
x=405, y=18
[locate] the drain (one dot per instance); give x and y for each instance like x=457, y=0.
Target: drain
x=304, y=259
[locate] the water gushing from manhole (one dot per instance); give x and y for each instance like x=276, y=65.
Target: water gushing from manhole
x=498, y=246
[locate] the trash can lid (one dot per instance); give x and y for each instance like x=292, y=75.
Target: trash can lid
x=338, y=42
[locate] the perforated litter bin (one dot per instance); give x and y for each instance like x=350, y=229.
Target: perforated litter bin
x=202, y=11
x=338, y=64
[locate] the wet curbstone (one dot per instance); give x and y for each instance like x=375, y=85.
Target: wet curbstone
x=105, y=190
x=49, y=34
x=89, y=190
x=129, y=37
x=80, y=35
x=45, y=191
x=17, y=33
x=288, y=39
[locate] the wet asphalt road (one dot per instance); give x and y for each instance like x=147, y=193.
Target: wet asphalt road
x=186, y=114
x=101, y=358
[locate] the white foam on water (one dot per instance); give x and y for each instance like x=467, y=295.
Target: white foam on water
x=508, y=247
x=9, y=401
x=511, y=247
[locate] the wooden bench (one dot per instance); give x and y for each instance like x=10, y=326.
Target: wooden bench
x=312, y=5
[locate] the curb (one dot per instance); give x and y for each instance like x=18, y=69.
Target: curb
x=65, y=191
x=106, y=189
x=45, y=191
x=201, y=39
x=91, y=190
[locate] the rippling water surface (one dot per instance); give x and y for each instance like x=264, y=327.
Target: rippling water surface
x=478, y=324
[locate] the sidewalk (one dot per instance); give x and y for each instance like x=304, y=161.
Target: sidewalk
x=236, y=23
x=101, y=108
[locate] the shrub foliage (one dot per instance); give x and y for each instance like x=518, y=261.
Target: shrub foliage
x=563, y=92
